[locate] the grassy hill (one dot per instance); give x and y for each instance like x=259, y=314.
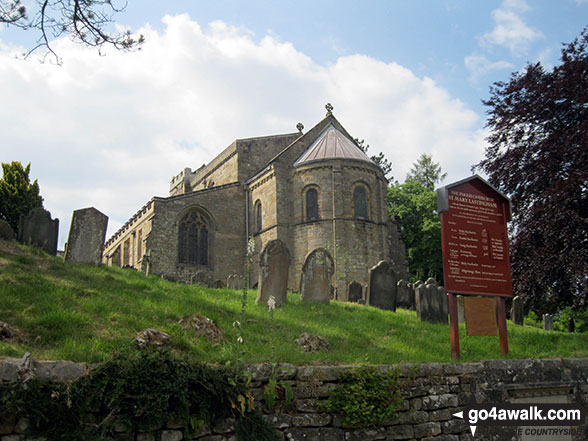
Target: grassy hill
x=59, y=310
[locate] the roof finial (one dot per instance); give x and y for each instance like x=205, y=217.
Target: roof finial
x=300, y=126
x=329, y=108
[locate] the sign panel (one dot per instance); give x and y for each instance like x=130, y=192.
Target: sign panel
x=480, y=315
x=474, y=238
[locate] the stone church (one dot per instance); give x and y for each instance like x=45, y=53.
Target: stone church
x=310, y=190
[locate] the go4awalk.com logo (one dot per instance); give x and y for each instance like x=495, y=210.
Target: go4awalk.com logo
x=565, y=416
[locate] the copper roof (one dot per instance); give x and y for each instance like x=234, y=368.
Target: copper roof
x=332, y=144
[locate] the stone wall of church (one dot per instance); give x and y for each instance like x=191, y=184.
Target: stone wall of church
x=222, y=170
x=129, y=244
x=256, y=153
x=225, y=209
x=355, y=245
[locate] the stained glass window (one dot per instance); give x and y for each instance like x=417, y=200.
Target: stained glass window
x=193, y=239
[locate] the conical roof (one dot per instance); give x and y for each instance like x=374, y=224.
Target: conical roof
x=332, y=144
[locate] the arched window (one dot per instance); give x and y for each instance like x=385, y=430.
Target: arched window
x=258, y=214
x=312, y=212
x=360, y=203
x=193, y=239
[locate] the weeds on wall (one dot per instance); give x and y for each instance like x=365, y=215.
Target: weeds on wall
x=366, y=396
x=139, y=392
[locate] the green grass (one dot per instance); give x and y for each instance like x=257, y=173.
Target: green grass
x=64, y=311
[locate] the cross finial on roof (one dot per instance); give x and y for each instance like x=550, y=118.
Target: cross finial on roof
x=329, y=108
x=300, y=126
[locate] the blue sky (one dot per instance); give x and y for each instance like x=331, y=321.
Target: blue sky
x=406, y=76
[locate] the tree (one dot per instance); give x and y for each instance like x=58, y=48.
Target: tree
x=538, y=155
x=380, y=160
x=427, y=172
x=414, y=206
x=85, y=21
x=17, y=195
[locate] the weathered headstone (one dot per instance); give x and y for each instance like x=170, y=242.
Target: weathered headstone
x=404, y=295
x=382, y=287
x=517, y=311
x=547, y=322
x=38, y=229
x=274, y=265
x=355, y=292
x=460, y=309
x=571, y=325
x=86, y=236
x=6, y=231
x=431, y=302
x=316, y=278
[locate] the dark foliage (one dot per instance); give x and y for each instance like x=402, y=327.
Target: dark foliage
x=538, y=154
x=85, y=21
x=17, y=195
x=252, y=427
x=379, y=159
x=139, y=391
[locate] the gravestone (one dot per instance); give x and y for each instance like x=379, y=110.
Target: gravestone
x=274, y=265
x=86, y=236
x=431, y=302
x=404, y=295
x=38, y=229
x=316, y=278
x=6, y=231
x=571, y=325
x=517, y=311
x=460, y=309
x=355, y=292
x=230, y=281
x=547, y=322
x=382, y=286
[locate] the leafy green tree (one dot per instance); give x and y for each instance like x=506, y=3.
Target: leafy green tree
x=426, y=171
x=85, y=21
x=538, y=155
x=414, y=206
x=17, y=195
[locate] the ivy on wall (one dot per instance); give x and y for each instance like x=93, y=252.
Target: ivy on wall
x=136, y=392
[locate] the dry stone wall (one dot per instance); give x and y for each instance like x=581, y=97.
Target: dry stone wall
x=436, y=391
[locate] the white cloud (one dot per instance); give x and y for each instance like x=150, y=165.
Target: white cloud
x=510, y=29
x=111, y=131
x=479, y=66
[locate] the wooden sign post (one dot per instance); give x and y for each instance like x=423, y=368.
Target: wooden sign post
x=474, y=238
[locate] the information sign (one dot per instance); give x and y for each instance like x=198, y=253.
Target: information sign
x=476, y=260
x=474, y=238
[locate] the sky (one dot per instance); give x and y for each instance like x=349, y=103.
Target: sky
x=409, y=77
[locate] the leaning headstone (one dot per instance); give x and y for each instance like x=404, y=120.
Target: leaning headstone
x=316, y=278
x=6, y=231
x=38, y=229
x=382, y=287
x=274, y=265
x=431, y=302
x=517, y=311
x=547, y=322
x=404, y=295
x=355, y=292
x=86, y=236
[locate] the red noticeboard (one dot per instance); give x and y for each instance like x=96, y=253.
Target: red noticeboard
x=476, y=259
